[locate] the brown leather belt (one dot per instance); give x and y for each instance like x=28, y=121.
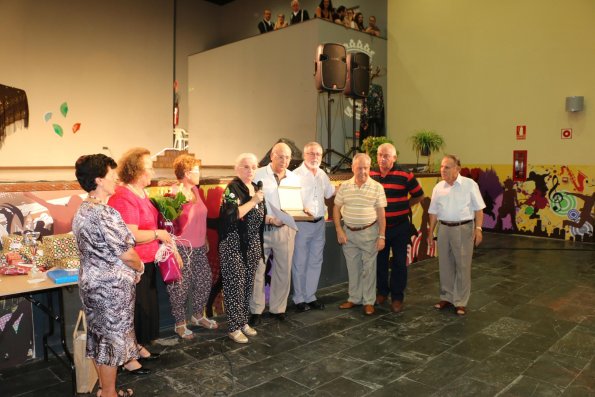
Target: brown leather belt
x=456, y=223
x=357, y=229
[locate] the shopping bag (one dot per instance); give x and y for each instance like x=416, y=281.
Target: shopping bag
x=86, y=375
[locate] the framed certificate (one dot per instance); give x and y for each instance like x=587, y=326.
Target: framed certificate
x=290, y=199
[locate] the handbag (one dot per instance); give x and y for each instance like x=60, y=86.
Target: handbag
x=86, y=375
x=169, y=268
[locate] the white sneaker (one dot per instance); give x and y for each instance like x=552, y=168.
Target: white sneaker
x=249, y=331
x=238, y=337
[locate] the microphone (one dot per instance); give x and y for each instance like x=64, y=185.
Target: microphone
x=258, y=189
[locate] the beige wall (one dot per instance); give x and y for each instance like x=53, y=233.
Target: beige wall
x=111, y=61
x=474, y=69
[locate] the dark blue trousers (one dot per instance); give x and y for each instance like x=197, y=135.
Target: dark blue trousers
x=397, y=239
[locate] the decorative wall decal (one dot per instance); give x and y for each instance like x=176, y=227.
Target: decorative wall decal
x=58, y=130
x=47, y=116
x=64, y=109
x=76, y=127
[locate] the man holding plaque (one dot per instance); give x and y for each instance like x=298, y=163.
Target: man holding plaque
x=360, y=201
x=278, y=238
x=310, y=239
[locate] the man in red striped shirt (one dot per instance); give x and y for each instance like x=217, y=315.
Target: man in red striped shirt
x=398, y=185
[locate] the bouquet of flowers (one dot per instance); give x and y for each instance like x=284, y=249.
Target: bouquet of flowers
x=169, y=205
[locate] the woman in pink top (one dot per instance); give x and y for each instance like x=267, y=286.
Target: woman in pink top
x=191, y=232
x=140, y=215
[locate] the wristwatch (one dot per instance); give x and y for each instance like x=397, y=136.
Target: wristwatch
x=381, y=237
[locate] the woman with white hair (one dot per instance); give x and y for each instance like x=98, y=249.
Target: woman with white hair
x=241, y=226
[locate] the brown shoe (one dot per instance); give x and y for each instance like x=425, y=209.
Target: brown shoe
x=461, y=310
x=346, y=305
x=380, y=299
x=368, y=310
x=396, y=306
x=442, y=305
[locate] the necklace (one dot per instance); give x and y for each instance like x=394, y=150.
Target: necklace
x=94, y=199
x=133, y=189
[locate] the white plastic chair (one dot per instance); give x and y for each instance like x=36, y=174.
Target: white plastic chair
x=181, y=139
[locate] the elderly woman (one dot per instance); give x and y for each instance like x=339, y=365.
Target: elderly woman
x=281, y=23
x=241, y=220
x=191, y=230
x=139, y=214
x=110, y=268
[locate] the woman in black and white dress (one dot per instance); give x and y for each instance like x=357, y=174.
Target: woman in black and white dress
x=241, y=220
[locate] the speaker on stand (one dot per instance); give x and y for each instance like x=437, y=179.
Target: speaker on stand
x=357, y=87
x=330, y=75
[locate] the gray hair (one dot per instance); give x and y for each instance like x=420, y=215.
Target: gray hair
x=311, y=144
x=453, y=158
x=361, y=156
x=245, y=156
x=388, y=145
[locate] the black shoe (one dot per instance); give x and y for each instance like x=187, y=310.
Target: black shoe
x=278, y=316
x=254, y=320
x=138, y=371
x=316, y=305
x=153, y=356
x=302, y=307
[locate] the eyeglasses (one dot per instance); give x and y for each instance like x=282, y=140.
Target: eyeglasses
x=282, y=157
x=314, y=154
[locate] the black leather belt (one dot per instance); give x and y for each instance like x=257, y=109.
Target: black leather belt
x=316, y=220
x=456, y=223
x=357, y=229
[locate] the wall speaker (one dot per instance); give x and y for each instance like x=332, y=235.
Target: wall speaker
x=575, y=103
x=358, y=75
x=330, y=68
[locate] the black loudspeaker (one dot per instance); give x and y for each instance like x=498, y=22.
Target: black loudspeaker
x=358, y=75
x=330, y=68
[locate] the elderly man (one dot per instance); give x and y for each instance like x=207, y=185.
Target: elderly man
x=266, y=25
x=297, y=15
x=310, y=239
x=360, y=201
x=458, y=206
x=398, y=185
x=372, y=28
x=278, y=238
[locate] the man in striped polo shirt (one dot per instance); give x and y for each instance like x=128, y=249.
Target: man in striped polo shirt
x=360, y=201
x=398, y=185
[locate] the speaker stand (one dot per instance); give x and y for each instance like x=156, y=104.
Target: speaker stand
x=329, y=150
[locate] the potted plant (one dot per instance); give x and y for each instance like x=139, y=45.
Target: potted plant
x=370, y=146
x=426, y=142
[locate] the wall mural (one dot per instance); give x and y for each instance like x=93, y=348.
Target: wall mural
x=555, y=201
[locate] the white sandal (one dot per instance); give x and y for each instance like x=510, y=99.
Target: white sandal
x=204, y=322
x=237, y=336
x=186, y=334
x=249, y=331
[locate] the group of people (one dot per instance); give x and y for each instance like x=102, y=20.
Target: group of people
x=118, y=237
x=325, y=10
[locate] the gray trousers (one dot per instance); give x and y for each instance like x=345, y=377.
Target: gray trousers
x=360, y=255
x=455, y=251
x=279, y=241
x=307, y=260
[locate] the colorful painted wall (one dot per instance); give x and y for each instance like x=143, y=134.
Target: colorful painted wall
x=554, y=201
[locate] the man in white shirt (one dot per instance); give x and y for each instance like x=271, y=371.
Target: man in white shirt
x=310, y=239
x=458, y=206
x=278, y=238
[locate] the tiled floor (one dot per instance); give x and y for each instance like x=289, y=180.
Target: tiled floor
x=530, y=331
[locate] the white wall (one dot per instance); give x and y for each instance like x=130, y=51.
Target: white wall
x=111, y=61
x=246, y=95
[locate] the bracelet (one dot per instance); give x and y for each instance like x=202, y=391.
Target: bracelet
x=156, y=236
x=381, y=237
x=478, y=228
x=142, y=271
